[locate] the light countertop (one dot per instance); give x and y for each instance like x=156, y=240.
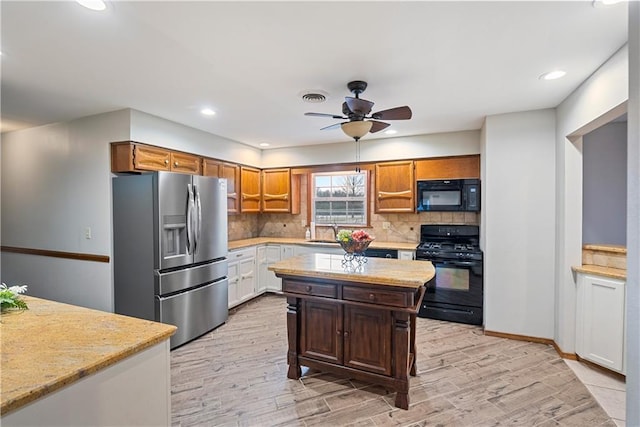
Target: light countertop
x=237, y=244
x=379, y=271
x=618, y=249
x=600, y=270
x=52, y=344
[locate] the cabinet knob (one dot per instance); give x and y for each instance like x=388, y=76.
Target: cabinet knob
x=346, y=333
x=175, y=164
x=372, y=297
x=338, y=332
x=309, y=288
x=166, y=161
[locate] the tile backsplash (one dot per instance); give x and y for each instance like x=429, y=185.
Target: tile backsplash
x=403, y=227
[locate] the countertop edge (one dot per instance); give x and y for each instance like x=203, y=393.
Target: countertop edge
x=243, y=243
x=614, y=273
x=377, y=271
x=59, y=382
x=368, y=279
x=617, y=249
x=15, y=395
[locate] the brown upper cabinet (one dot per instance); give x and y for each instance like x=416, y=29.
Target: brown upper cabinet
x=211, y=167
x=230, y=171
x=448, y=167
x=249, y=189
x=130, y=156
x=280, y=191
x=185, y=163
x=394, y=187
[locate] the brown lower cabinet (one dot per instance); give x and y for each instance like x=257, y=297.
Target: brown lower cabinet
x=362, y=331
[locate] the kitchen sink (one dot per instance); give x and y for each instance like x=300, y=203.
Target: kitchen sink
x=322, y=241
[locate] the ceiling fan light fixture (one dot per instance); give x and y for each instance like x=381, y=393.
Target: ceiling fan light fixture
x=356, y=129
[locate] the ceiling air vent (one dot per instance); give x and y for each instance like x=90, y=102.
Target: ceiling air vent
x=314, y=97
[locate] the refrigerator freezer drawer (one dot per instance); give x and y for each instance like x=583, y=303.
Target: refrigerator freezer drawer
x=195, y=311
x=178, y=280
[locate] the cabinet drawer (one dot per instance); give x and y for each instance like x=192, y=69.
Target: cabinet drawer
x=377, y=296
x=241, y=254
x=315, y=289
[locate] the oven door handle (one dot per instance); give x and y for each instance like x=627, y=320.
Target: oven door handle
x=457, y=263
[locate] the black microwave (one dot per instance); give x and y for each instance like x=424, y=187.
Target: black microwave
x=462, y=195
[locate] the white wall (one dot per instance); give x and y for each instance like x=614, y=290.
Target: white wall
x=413, y=147
x=518, y=217
x=604, y=193
x=55, y=182
x=591, y=105
x=157, y=131
x=633, y=221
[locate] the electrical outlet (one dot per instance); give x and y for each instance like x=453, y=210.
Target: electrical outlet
x=87, y=233
x=386, y=225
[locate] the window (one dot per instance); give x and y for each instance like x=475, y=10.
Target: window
x=339, y=198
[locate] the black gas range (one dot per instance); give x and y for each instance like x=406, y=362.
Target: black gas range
x=456, y=291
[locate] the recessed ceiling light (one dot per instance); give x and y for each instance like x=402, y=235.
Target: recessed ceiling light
x=93, y=4
x=264, y=144
x=391, y=132
x=605, y=3
x=208, y=112
x=552, y=75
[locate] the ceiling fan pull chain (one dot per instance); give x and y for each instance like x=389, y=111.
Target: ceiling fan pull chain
x=358, y=155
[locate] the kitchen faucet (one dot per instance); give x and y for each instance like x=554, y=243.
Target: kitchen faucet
x=334, y=226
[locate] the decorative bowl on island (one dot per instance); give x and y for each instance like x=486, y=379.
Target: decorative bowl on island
x=354, y=242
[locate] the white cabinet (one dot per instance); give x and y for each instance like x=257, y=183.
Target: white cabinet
x=242, y=277
x=261, y=261
x=269, y=279
x=600, y=320
x=407, y=255
x=138, y=387
x=287, y=251
x=267, y=255
x=234, y=277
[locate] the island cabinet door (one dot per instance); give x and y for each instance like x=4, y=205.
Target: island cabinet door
x=321, y=331
x=367, y=342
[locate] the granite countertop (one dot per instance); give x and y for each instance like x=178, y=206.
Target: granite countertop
x=52, y=344
x=600, y=270
x=619, y=249
x=237, y=244
x=379, y=271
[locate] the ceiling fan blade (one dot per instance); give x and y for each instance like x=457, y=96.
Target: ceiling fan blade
x=359, y=106
x=333, y=116
x=333, y=126
x=398, y=113
x=378, y=126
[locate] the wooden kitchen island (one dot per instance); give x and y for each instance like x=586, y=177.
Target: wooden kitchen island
x=356, y=320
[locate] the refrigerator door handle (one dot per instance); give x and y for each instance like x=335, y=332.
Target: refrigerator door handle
x=190, y=237
x=198, y=220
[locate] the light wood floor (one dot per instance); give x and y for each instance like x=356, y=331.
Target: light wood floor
x=236, y=376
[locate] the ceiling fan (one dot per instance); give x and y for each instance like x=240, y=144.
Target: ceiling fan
x=358, y=113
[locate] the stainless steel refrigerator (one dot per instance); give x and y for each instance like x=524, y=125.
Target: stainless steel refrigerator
x=170, y=250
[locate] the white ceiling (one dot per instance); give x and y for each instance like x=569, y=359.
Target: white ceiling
x=453, y=63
